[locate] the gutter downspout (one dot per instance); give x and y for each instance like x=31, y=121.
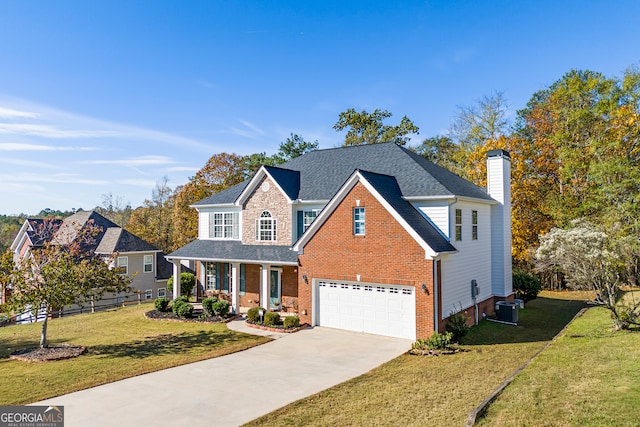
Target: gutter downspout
x=436, y=322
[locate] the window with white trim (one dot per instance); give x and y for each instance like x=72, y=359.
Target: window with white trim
x=148, y=264
x=224, y=225
x=458, y=225
x=162, y=292
x=148, y=294
x=266, y=227
x=358, y=221
x=474, y=225
x=123, y=264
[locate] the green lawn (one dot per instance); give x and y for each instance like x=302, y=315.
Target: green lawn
x=418, y=390
x=588, y=377
x=120, y=343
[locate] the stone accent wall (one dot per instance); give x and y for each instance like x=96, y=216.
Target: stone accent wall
x=277, y=204
x=386, y=254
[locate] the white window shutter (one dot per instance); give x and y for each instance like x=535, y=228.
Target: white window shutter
x=236, y=225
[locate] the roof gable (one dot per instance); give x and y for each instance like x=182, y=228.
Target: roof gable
x=387, y=191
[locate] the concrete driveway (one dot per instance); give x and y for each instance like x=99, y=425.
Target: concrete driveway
x=233, y=389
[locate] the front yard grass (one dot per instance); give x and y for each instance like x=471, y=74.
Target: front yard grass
x=590, y=376
x=419, y=390
x=121, y=343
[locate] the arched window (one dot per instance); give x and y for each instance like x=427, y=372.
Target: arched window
x=266, y=227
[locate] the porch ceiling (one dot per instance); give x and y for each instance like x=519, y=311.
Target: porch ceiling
x=235, y=251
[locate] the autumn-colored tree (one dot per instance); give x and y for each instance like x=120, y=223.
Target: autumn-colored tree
x=57, y=275
x=153, y=222
x=219, y=173
x=368, y=128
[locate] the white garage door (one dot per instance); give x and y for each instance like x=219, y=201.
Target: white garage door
x=366, y=307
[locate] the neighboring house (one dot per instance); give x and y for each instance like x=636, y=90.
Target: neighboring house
x=142, y=262
x=370, y=238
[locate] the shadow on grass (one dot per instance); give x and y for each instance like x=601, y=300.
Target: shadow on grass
x=167, y=344
x=540, y=320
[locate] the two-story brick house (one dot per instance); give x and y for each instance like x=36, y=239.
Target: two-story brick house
x=370, y=238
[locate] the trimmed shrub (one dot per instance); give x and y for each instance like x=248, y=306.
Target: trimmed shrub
x=207, y=304
x=187, y=282
x=185, y=310
x=271, y=318
x=178, y=304
x=162, y=304
x=253, y=315
x=526, y=286
x=221, y=308
x=291, y=322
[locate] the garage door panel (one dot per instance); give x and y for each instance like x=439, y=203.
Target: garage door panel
x=371, y=308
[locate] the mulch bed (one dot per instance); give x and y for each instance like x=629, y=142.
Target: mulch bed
x=169, y=315
x=426, y=352
x=276, y=328
x=53, y=352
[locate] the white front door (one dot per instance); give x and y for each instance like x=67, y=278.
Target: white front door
x=367, y=307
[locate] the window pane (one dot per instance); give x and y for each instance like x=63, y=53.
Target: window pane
x=358, y=221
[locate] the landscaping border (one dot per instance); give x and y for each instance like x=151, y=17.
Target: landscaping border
x=281, y=330
x=480, y=409
x=192, y=320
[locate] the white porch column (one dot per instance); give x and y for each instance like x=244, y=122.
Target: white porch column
x=176, y=278
x=264, y=287
x=235, y=285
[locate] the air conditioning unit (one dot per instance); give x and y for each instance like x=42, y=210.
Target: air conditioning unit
x=507, y=311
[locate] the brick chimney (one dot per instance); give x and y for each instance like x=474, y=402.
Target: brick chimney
x=499, y=187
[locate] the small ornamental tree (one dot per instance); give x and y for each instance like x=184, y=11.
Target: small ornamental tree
x=60, y=274
x=591, y=260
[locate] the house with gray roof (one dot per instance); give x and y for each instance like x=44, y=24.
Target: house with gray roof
x=370, y=238
x=144, y=263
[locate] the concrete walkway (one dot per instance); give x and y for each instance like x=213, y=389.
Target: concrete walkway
x=233, y=389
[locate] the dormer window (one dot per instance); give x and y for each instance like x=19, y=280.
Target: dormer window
x=266, y=227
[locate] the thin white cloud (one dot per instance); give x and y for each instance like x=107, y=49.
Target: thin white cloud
x=28, y=163
x=9, y=113
x=47, y=178
x=146, y=183
x=182, y=169
x=18, y=146
x=249, y=131
x=20, y=187
x=48, y=131
x=133, y=162
x=48, y=122
x=205, y=84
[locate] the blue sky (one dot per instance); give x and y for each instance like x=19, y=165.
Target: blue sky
x=109, y=96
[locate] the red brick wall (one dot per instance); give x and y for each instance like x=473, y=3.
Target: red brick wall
x=385, y=254
x=251, y=298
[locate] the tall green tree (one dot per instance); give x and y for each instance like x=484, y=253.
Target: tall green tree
x=59, y=275
x=368, y=128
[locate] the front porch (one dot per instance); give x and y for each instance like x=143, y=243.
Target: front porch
x=245, y=275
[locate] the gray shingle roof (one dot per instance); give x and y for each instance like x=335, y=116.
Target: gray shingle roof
x=388, y=188
x=116, y=239
x=323, y=172
x=228, y=250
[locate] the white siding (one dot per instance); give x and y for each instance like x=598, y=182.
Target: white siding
x=437, y=212
x=473, y=260
x=499, y=187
